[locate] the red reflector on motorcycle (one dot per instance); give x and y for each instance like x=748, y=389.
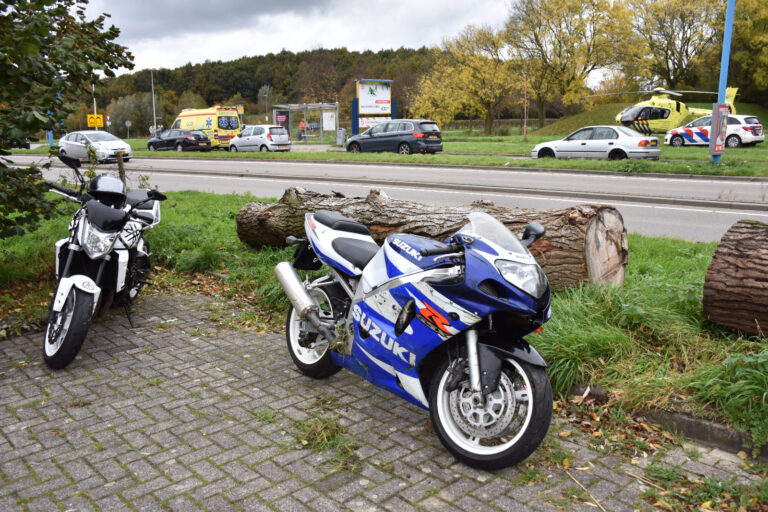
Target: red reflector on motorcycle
x=311, y=223
x=537, y=331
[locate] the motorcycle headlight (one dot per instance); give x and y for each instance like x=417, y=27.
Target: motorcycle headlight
x=527, y=277
x=97, y=243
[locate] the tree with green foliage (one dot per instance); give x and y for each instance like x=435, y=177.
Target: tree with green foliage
x=472, y=75
x=559, y=42
x=49, y=54
x=675, y=33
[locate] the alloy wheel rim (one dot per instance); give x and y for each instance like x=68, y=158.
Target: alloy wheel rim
x=521, y=386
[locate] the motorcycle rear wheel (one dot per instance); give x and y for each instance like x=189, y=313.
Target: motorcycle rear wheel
x=66, y=330
x=314, y=362
x=504, y=431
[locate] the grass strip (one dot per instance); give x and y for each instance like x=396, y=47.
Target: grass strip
x=647, y=341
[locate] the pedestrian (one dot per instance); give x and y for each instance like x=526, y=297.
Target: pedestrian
x=302, y=128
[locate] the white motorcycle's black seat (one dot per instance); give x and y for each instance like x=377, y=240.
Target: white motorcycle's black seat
x=341, y=223
x=136, y=196
x=357, y=252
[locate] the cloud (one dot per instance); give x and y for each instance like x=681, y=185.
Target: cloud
x=170, y=33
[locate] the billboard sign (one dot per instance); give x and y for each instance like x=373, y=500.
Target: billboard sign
x=375, y=97
x=329, y=121
x=369, y=122
x=718, y=128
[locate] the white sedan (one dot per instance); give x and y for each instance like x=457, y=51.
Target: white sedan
x=104, y=144
x=606, y=142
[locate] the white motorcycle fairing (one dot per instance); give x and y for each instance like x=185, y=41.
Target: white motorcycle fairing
x=79, y=281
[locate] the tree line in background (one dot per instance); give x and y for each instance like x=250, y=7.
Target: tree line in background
x=481, y=72
x=554, y=45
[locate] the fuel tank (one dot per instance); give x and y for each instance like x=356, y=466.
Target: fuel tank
x=400, y=254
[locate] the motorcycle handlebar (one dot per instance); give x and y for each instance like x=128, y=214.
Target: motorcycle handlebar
x=64, y=190
x=448, y=249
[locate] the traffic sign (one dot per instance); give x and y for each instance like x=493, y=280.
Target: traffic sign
x=95, y=121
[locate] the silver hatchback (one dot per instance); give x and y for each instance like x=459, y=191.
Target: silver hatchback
x=261, y=137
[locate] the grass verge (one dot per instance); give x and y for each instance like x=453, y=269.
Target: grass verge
x=496, y=151
x=647, y=341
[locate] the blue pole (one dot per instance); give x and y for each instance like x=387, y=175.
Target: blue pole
x=725, y=57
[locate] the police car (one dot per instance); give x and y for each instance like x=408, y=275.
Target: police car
x=742, y=130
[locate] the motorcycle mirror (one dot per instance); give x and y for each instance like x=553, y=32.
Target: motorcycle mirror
x=156, y=195
x=72, y=163
x=533, y=232
x=407, y=314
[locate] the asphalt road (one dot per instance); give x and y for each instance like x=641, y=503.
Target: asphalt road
x=699, y=209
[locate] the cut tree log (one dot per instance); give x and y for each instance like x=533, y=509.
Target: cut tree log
x=585, y=243
x=736, y=284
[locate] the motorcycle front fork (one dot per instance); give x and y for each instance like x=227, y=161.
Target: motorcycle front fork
x=473, y=360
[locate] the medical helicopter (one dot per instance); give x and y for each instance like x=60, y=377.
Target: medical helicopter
x=662, y=113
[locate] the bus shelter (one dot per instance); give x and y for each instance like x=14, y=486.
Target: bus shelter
x=314, y=123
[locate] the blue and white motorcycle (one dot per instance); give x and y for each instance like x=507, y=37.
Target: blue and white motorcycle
x=438, y=324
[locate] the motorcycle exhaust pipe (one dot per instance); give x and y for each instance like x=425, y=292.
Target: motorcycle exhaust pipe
x=302, y=302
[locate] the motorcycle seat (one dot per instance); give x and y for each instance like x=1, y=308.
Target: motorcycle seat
x=136, y=196
x=357, y=252
x=340, y=223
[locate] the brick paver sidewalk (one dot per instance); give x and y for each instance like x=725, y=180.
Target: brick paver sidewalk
x=178, y=414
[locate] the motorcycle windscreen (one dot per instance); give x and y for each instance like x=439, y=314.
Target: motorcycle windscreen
x=104, y=217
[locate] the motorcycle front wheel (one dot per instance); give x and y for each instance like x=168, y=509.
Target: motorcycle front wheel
x=499, y=431
x=314, y=361
x=67, y=329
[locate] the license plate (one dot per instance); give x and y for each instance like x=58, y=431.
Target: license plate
x=433, y=136
x=203, y=143
x=282, y=147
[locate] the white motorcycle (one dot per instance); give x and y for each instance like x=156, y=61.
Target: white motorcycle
x=103, y=262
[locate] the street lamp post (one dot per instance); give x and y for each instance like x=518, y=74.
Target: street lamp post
x=525, y=108
x=724, y=61
x=154, y=114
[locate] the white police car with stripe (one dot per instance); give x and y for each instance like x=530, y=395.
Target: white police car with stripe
x=742, y=130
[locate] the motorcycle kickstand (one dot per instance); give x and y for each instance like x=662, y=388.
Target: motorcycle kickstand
x=127, y=308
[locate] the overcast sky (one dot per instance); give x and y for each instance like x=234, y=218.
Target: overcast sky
x=170, y=33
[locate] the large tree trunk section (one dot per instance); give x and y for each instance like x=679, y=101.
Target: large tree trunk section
x=736, y=285
x=585, y=243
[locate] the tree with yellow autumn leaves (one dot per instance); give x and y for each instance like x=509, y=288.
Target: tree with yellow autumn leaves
x=472, y=75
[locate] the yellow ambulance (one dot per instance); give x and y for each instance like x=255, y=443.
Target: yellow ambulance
x=220, y=124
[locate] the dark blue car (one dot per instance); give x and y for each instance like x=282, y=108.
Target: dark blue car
x=404, y=136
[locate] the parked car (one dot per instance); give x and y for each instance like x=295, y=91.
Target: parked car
x=261, y=137
x=104, y=144
x=742, y=130
x=606, y=142
x=180, y=140
x=403, y=136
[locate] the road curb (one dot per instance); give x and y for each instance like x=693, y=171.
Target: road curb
x=706, y=432
x=700, y=430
